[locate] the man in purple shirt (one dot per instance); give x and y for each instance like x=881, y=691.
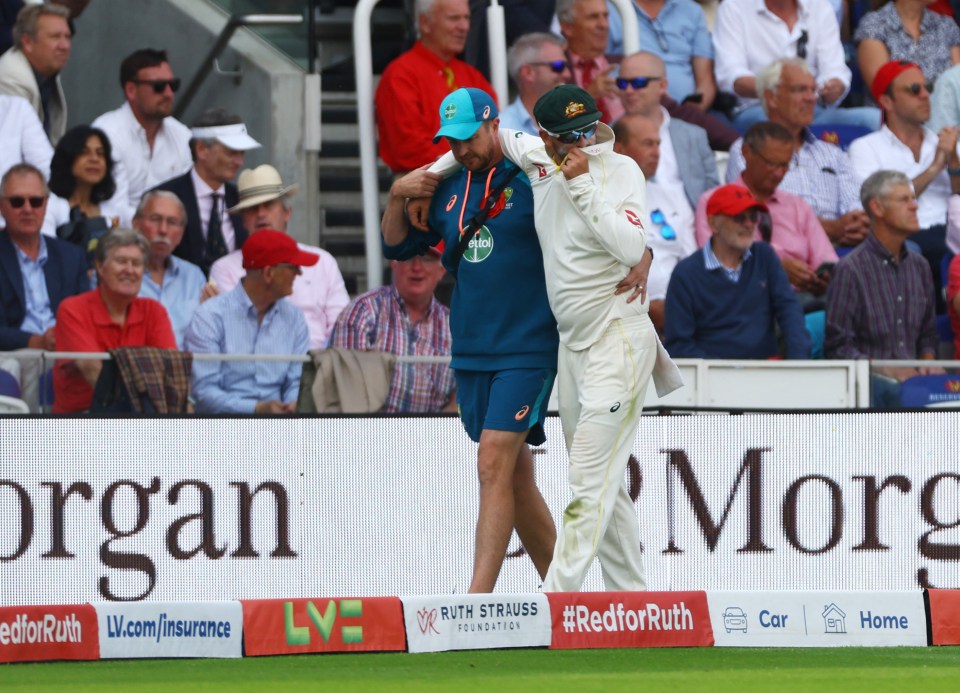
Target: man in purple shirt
x=880, y=303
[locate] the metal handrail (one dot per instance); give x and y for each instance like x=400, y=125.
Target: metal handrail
x=363, y=65
x=223, y=39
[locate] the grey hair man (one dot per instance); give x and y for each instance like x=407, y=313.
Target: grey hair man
x=873, y=311
x=31, y=69
x=820, y=172
x=537, y=63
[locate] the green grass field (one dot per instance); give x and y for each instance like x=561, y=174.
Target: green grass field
x=924, y=669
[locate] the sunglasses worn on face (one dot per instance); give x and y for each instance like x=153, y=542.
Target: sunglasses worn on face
x=635, y=82
x=18, y=201
x=573, y=136
x=160, y=85
x=917, y=86
x=666, y=231
x=557, y=66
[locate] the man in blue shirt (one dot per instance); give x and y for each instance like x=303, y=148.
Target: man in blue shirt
x=179, y=285
x=724, y=301
x=253, y=318
x=504, y=336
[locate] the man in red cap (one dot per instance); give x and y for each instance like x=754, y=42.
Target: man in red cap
x=723, y=302
x=904, y=144
x=252, y=318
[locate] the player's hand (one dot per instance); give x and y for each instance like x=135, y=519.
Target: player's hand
x=418, y=211
x=636, y=280
x=418, y=183
x=575, y=163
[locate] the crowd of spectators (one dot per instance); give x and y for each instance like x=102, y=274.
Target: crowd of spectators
x=136, y=230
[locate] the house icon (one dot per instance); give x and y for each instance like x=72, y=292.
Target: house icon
x=833, y=619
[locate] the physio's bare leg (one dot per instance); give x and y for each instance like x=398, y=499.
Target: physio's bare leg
x=534, y=523
x=496, y=461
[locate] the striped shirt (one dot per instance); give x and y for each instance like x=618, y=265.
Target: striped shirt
x=821, y=173
x=880, y=308
x=227, y=324
x=378, y=321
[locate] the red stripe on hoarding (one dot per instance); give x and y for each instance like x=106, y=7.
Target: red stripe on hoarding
x=295, y=626
x=630, y=619
x=43, y=633
x=945, y=616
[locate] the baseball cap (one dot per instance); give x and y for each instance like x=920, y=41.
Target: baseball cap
x=732, y=199
x=230, y=136
x=564, y=108
x=886, y=74
x=267, y=247
x=463, y=112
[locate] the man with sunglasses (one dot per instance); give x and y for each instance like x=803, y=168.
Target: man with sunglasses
x=591, y=219
x=36, y=274
x=725, y=301
x=536, y=63
x=928, y=158
x=149, y=144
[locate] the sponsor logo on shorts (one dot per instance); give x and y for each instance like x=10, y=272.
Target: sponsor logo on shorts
x=524, y=410
x=614, y=407
x=452, y=202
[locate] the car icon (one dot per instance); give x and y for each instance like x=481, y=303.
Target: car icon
x=734, y=619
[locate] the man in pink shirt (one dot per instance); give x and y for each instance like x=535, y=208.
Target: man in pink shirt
x=792, y=227
x=319, y=291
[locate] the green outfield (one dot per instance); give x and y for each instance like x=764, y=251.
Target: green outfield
x=709, y=669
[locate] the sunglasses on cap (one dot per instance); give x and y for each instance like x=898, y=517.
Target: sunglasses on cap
x=557, y=66
x=160, y=85
x=667, y=232
x=635, y=82
x=573, y=136
x=917, y=86
x=17, y=201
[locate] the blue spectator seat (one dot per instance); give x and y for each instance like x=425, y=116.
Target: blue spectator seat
x=930, y=391
x=840, y=135
x=9, y=387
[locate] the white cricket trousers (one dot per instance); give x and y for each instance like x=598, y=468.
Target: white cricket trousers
x=601, y=391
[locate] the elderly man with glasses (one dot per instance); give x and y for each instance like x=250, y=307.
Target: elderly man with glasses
x=537, y=63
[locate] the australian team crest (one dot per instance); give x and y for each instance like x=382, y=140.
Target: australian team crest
x=574, y=108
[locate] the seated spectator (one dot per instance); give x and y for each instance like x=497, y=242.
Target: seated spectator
x=820, y=172
x=252, y=318
x=537, y=63
x=24, y=140
x=880, y=304
x=727, y=300
x=219, y=143
x=110, y=316
x=945, y=100
x=903, y=144
x=149, y=145
x=675, y=30
x=906, y=30
x=687, y=164
x=585, y=25
x=670, y=236
x=31, y=69
x=953, y=277
x=83, y=206
x=37, y=274
x=177, y=284
x=787, y=222
x=405, y=319
x=412, y=86
x=750, y=35
x=319, y=292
